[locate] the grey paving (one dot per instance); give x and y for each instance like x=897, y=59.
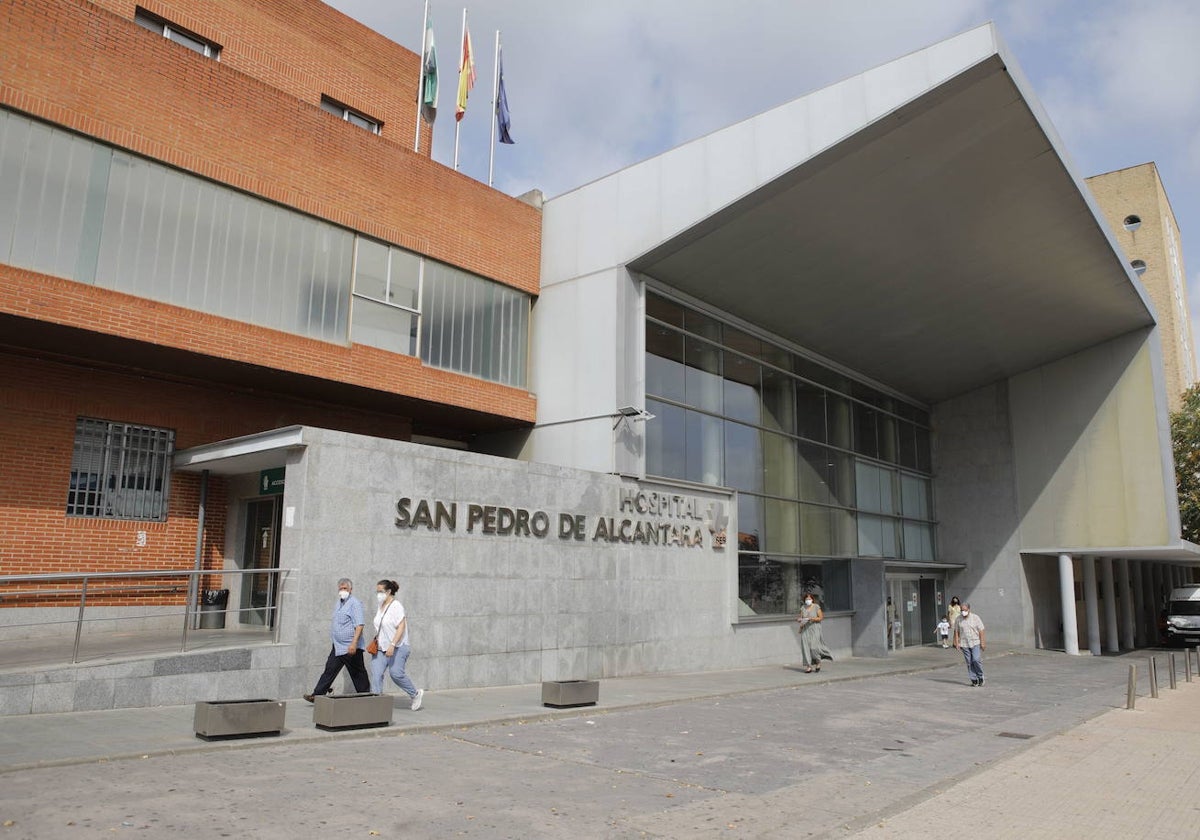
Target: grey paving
x=761, y=752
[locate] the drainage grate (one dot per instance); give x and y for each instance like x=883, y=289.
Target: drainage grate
x=1020, y=736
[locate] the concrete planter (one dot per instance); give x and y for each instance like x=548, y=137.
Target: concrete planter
x=566, y=693
x=238, y=718
x=352, y=711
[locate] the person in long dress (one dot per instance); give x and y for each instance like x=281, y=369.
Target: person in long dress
x=812, y=644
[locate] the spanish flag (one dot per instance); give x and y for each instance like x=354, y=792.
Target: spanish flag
x=466, y=75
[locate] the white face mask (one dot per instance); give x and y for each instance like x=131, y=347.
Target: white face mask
x=966, y=613
x=343, y=594
x=380, y=596
x=808, y=602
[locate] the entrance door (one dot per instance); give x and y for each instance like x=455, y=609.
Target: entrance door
x=914, y=604
x=260, y=550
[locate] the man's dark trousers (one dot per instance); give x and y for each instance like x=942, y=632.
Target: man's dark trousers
x=352, y=662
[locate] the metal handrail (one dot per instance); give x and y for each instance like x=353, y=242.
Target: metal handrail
x=190, y=608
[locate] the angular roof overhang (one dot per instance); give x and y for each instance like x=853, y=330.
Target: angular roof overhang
x=943, y=244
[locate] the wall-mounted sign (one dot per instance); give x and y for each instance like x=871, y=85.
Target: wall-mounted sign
x=270, y=482
x=641, y=518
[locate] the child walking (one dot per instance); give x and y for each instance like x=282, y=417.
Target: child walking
x=943, y=631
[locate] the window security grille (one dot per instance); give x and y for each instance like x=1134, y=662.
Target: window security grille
x=120, y=471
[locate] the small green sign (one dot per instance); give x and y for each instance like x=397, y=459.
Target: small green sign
x=270, y=482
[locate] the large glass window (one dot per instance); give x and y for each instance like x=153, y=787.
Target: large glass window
x=78, y=209
x=826, y=467
x=119, y=470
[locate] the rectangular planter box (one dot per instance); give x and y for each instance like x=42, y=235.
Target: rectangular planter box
x=566, y=693
x=352, y=711
x=238, y=718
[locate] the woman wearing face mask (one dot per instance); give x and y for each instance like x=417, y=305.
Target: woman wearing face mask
x=812, y=645
x=391, y=638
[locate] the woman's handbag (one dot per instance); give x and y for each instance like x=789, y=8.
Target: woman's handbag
x=373, y=646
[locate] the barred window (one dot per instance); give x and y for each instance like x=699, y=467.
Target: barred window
x=119, y=470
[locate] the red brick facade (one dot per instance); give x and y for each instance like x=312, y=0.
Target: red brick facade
x=86, y=68
x=252, y=121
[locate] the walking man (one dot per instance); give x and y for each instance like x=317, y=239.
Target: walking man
x=346, y=633
x=970, y=639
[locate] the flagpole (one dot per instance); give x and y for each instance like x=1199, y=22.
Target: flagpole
x=421, y=75
x=458, y=122
x=495, y=105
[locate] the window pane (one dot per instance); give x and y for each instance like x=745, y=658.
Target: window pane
x=743, y=458
x=383, y=326
x=741, y=388
x=838, y=417
x=702, y=380
x=665, y=440
x=867, y=481
x=914, y=497
x=835, y=584
x=877, y=536
x=783, y=526
x=664, y=310
x=750, y=522
x=404, y=278
x=664, y=362
x=810, y=401
x=866, y=437
x=704, y=446
x=918, y=541
x=924, y=456
x=778, y=401
x=816, y=530
x=816, y=464
x=371, y=269
x=906, y=454
x=779, y=466
x=769, y=585
x=886, y=429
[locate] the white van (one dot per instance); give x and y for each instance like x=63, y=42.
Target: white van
x=1181, y=618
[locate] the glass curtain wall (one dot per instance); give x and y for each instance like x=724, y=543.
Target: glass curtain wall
x=826, y=468
x=78, y=209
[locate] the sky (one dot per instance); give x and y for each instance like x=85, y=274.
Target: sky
x=596, y=85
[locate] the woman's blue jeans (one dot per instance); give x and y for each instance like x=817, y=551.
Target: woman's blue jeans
x=394, y=665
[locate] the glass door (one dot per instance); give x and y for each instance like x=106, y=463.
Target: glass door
x=260, y=550
x=915, y=602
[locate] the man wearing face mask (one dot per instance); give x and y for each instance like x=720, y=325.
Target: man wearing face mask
x=970, y=639
x=345, y=632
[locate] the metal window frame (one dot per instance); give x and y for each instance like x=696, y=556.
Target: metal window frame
x=126, y=454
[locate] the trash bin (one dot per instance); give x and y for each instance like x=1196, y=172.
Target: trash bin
x=212, y=608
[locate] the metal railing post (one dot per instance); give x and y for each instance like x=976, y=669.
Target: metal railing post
x=1187, y=664
x=1131, y=691
x=1171, y=665
x=1153, y=677
x=280, y=575
x=187, y=612
x=79, y=621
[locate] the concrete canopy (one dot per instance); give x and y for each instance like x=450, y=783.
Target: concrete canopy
x=940, y=245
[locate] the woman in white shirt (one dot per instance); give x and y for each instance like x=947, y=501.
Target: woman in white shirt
x=391, y=636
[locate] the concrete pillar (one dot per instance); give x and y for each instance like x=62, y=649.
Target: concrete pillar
x=1091, y=605
x=1151, y=604
x=1138, y=604
x=1112, y=628
x=1156, y=573
x=1128, y=605
x=1066, y=590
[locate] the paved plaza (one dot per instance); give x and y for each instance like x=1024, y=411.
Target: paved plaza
x=891, y=748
